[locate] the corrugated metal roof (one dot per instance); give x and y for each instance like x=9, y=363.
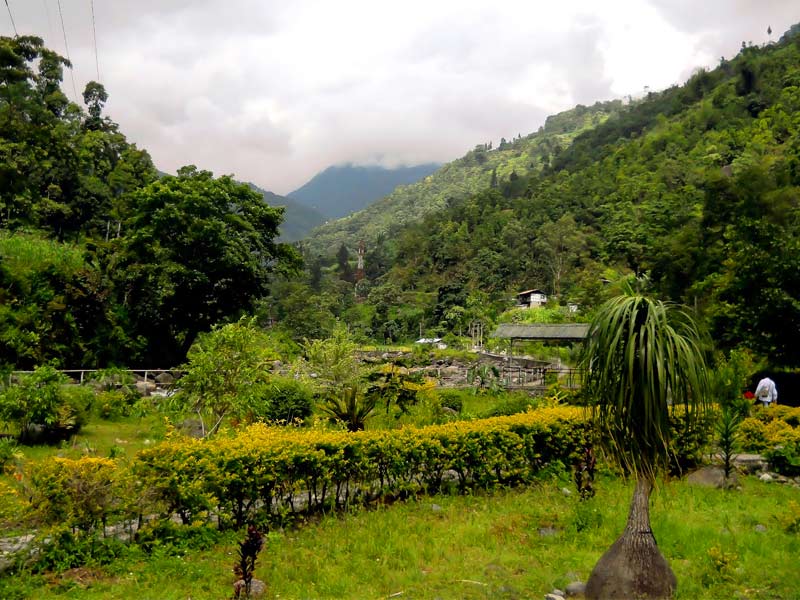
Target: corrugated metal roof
x=542, y=331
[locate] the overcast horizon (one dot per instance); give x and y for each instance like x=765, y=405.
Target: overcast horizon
x=276, y=93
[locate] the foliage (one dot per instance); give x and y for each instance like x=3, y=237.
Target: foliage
x=642, y=356
x=282, y=400
x=227, y=374
x=42, y=400
x=8, y=452
x=245, y=565
x=79, y=494
x=349, y=407
x=198, y=251
x=727, y=430
x=396, y=386
x=332, y=360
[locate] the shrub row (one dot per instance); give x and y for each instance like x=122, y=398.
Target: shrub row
x=273, y=471
x=267, y=473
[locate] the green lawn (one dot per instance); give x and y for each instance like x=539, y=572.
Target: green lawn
x=512, y=544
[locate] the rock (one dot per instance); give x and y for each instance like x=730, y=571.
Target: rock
x=449, y=411
x=145, y=388
x=711, y=477
x=436, y=508
x=566, y=491
x=552, y=596
x=165, y=378
x=576, y=588
x=750, y=463
x=547, y=531
x=761, y=528
x=191, y=427
x=766, y=477
x=258, y=589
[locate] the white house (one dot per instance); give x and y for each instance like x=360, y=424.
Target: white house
x=531, y=298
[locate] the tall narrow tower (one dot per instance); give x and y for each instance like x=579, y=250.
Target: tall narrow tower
x=360, y=268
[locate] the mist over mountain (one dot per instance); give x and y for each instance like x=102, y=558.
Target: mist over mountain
x=343, y=189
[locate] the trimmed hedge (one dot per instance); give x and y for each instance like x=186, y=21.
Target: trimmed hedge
x=267, y=471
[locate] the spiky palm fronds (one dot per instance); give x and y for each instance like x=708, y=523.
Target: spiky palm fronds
x=642, y=356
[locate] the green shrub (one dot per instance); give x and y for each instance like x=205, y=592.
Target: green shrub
x=8, y=452
x=43, y=407
x=81, y=494
x=784, y=459
x=512, y=403
x=65, y=549
x=283, y=400
x=452, y=399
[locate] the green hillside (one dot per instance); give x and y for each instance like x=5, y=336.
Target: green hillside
x=696, y=188
x=480, y=168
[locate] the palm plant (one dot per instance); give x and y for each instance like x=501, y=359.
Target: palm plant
x=641, y=357
x=349, y=407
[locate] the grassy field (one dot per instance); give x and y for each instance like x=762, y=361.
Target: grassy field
x=512, y=544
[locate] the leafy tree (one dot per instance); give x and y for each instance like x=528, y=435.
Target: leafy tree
x=226, y=374
x=333, y=360
x=641, y=357
x=196, y=251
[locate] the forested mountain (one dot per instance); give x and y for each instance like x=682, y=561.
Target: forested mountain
x=343, y=189
x=697, y=187
x=298, y=220
x=503, y=167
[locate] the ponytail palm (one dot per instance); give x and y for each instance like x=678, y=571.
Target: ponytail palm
x=641, y=356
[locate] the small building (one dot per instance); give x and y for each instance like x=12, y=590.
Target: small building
x=437, y=342
x=573, y=307
x=531, y=298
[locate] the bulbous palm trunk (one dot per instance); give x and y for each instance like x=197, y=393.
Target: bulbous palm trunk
x=633, y=567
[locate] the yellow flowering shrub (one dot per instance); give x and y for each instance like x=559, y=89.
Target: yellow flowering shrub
x=80, y=493
x=271, y=469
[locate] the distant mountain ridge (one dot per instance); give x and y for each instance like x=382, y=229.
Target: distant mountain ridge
x=343, y=189
x=504, y=167
x=298, y=220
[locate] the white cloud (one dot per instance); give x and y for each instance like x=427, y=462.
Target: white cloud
x=275, y=92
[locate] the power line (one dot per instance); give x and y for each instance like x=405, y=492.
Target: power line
x=12, y=19
x=49, y=20
x=94, y=32
x=66, y=48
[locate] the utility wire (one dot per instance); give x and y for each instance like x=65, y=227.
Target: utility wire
x=12, y=19
x=66, y=48
x=49, y=21
x=94, y=32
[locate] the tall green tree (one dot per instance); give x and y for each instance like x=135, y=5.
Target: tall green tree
x=642, y=357
x=195, y=251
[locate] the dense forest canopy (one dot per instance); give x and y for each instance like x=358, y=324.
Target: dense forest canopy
x=696, y=187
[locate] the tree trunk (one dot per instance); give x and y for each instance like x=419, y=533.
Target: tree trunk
x=633, y=567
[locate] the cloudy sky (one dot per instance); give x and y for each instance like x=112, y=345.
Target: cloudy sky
x=274, y=92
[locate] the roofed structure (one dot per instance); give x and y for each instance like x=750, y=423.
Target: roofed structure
x=567, y=332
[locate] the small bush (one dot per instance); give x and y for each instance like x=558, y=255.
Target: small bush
x=80, y=494
x=452, y=399
x=511, y=404
x=8, y=452
x=43, y=407
x=65, y=549
x=785, y=459
x=283, y=400
x=753, y=435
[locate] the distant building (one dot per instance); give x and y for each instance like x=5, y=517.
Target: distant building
x=573, y=307
x=531, y=299
x=437, y=342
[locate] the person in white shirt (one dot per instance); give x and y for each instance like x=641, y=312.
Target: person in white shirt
x=767, y=392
